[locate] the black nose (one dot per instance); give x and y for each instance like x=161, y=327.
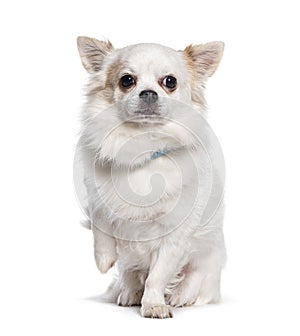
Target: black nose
x=149, y=96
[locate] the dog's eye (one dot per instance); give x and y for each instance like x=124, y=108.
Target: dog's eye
x=170, y=82
x=127, y=81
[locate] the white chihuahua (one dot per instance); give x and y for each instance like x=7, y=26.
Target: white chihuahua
x=154, y=184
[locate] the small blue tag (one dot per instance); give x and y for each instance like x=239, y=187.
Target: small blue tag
x=159, y=153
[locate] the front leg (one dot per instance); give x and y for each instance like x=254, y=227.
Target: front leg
x=104, y=249
x=164, y=264
x=132, y=288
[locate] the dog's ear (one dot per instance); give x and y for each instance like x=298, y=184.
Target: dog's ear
x=92, y=52
x=203, y=59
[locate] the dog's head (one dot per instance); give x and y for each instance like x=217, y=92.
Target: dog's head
x=139, y=78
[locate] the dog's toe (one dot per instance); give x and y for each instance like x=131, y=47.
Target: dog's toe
x=159, y=311
x=128, y=299
x=178, y=301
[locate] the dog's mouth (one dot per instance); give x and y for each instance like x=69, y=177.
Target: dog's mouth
x=148, y=112
x=144, y=112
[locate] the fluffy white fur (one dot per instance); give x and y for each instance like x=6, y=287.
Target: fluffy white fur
x=147, y=214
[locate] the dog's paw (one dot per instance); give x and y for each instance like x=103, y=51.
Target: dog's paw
x=105, y=261
x=179, y=300
x=127, y=298
x=158, y=311
x=185, y=298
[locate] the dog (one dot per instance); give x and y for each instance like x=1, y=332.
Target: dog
x=154, y=184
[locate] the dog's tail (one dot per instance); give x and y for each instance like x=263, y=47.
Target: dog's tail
x=112, y=292
x=86, y=223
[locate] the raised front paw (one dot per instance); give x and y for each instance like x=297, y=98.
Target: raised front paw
x=158, y=311
x=105, y=260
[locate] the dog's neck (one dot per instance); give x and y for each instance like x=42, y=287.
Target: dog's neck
x=143, y=159
x=159, y=153
x=129, y=147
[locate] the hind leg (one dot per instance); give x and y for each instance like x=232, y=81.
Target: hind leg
x=201, y=283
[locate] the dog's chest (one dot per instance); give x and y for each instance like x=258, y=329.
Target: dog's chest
x=160, y=177
x=142, y=191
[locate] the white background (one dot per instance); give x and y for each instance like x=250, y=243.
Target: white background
x=49, y=282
